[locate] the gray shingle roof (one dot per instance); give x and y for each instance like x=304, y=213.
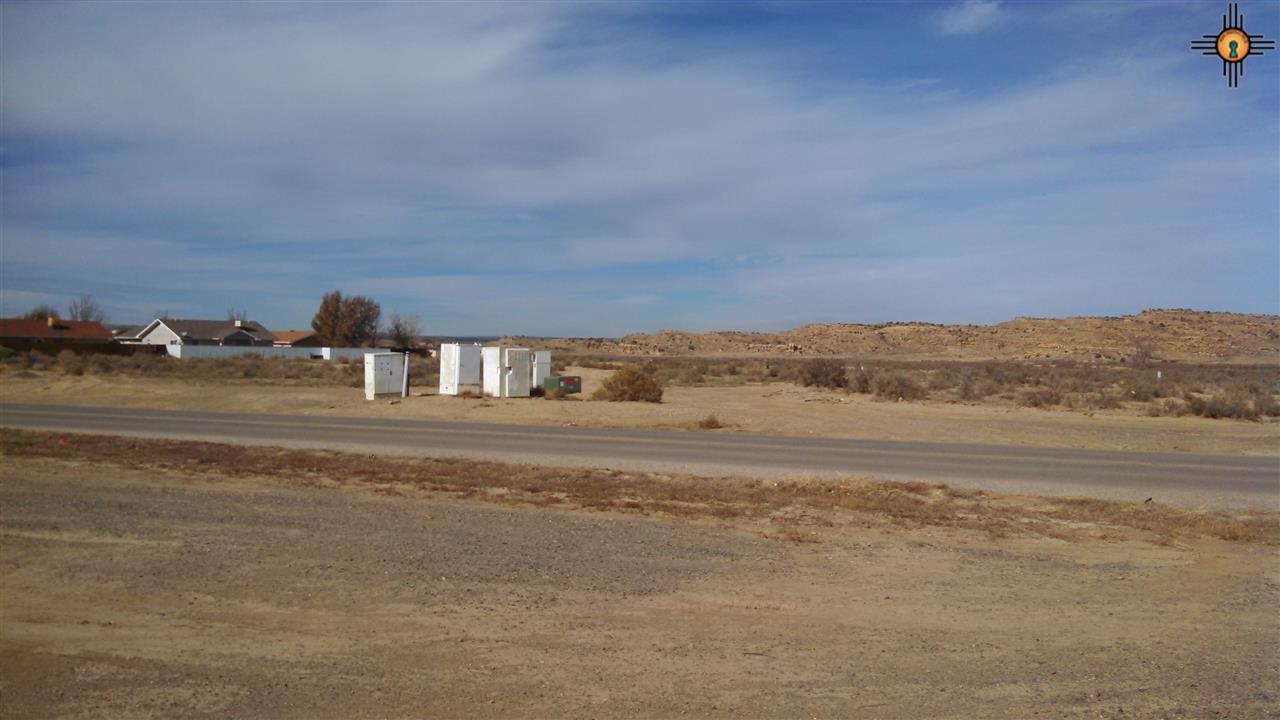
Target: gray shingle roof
x=216, y=329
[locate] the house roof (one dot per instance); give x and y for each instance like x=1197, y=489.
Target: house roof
x=59, y=330
x=126, y=331
x=292, y=336
x=213, y=329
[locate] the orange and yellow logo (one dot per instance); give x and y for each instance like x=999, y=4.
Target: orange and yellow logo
x=1233, y=45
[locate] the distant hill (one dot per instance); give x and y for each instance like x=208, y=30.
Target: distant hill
x=1176, y=334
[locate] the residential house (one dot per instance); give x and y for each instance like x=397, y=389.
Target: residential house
x=176, y=331
x=296, y=338
x=52, y=335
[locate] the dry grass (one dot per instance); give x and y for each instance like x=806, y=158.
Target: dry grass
x=908, y=504
x=423, y=372
x=1243, y=392
x=710, y=422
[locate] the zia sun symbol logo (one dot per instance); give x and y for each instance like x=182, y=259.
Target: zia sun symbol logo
x=1233, y=45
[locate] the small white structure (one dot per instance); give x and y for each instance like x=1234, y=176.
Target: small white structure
x=385, y=374
x=517, y=368
x=541, y=368
x=459, y=368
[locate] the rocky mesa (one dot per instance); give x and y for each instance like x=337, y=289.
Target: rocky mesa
x=1168, y=334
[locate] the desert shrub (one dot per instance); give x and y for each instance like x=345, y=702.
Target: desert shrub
x=710, y=422
x=692, y=375
x=974, y=388
x=1141, y=388
x=630, y=384
x=823, y=372
x=890, y=385
x=537, y=392
x=945, y=377
x=1235, y=403
x=1105, y=400
x=70, y=363
x=861, y=381
x=1168, y=407
x=1265, y=403
x=1039, y=397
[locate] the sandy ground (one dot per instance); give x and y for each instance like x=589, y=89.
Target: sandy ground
x=781, y=409
x=143, y=594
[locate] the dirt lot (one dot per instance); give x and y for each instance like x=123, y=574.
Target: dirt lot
x=158, y=587
x=776, y=408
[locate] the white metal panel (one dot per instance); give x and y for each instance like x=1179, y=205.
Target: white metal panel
x=383, y=374
x=459, y=368
x=516, y=370
x=491, y=365
x=541, y=368
x=450, y=365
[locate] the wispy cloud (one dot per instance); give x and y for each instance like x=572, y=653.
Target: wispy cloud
x=540, y=168
x=968, y=17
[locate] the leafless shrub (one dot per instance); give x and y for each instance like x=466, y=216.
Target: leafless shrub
x=1265, y=403
x=1168, y=407
x=824, y=373
x=630, y=384
x=1144, y=351
x=861, y=381
x=70, y=363
x=1235, y=403
x=890, y=385
x=1105, y=400
x=710, y=422
x=1039, y=397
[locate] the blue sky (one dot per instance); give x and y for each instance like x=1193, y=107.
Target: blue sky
x=597, y=169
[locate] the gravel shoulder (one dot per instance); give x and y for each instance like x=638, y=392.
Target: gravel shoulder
x=180, y=592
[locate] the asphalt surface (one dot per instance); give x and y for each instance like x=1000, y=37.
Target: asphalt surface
x=1178, y=478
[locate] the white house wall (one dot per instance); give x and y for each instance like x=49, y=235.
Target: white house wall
x=184, y=352
x=161, y=335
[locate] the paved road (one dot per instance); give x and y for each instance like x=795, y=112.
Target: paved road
x=1186, y=479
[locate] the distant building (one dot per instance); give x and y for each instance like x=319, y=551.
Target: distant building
x=296, y=338
x=176, y=331
x=51, y=334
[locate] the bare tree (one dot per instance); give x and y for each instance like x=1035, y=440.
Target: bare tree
x=42, y=312
x=1144, y=351
x=86, y=309
x=234, y=314
x=403, y=332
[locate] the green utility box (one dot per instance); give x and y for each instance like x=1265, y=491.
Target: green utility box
x=568, y=384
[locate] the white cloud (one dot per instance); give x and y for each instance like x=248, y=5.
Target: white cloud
x=465, y=148
x=968, y=17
